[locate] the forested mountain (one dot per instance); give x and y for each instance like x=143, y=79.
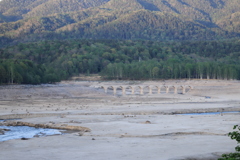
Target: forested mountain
x=44, y=41
x=34, y=20
x=19, y=9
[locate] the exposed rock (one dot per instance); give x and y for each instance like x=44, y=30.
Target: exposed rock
x=6, y=129
x=2, y=131
x=147, y=122
x=53, y=126
x=72, y=121
x=36, y=136
x=80, y=134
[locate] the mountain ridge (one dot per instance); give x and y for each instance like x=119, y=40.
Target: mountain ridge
x=20, y=21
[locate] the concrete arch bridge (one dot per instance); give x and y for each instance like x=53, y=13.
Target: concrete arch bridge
x=147, y=89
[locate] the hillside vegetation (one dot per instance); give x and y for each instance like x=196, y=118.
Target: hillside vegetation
x=51, y=61
x=45, y=41
x=34, y=20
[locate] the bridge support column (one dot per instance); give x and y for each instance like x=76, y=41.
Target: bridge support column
x=175, y=90
x=123, y=91
x=105, y=89
x=133, y=92
x=183, y=90
x=114, y=91
x=150, y=90
x=159, y=90
x=167, y=90
x=141, y=90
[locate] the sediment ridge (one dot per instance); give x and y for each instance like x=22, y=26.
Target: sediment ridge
x=49, y=125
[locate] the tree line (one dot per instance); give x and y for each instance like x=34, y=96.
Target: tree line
x=118, y=59
x=171, y=69
x=25, y=72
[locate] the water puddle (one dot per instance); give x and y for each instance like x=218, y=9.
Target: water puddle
x=209, y=113
x=25, y=132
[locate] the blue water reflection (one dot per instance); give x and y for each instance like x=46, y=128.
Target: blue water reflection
x=208, y=113
x=17, y=132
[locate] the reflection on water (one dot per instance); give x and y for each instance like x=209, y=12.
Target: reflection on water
x=17, y=132
x=209, y=113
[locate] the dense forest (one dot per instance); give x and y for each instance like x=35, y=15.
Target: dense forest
x=39, y=20
x=25, y=72
x=51, y=61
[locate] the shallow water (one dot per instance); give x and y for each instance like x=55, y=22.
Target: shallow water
x=209, y=113
x=17, y=132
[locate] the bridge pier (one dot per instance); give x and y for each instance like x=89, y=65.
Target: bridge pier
x=159, y=90
x=123, y=91
x=150, y=90
x=133, y=91
x=114, y=91
x=167, y=90
x=105, y=89
x=175, y=90
x=183, y=90
x=141, y=90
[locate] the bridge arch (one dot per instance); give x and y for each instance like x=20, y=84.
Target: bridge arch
x=129, y=90
x=180, y=90
x=104, y=87
x=188, y=89
x=155, y=89
x=172, y=90
x=138, y=90
x=164, y=89
x=122, y=89
x=147, y=89
x=112, y=90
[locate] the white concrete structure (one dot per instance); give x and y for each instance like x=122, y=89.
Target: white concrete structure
x=167, y=89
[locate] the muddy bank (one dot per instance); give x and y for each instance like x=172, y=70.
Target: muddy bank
x=31, y=115
x=49, y=125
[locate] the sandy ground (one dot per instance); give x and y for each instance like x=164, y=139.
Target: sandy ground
x=123, y=127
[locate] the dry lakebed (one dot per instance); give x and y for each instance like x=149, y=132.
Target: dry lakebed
x=121, y=120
